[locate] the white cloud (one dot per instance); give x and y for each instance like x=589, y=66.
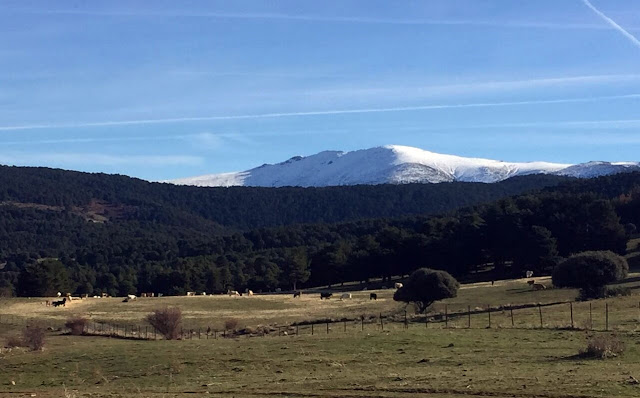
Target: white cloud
x=318, y=113
x=310, y=18
x=72, y=159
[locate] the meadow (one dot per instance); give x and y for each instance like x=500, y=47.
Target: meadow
x=423, y=360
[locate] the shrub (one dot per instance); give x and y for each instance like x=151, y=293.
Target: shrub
x=426, y=286
x=33, y=336
x=618, y=291
x=603, y=347
x=231, y=324
x=591, y=271
x=13, y=342
x=76, y=325
x=166, y=321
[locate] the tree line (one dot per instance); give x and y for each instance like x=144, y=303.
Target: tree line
x=43, y=251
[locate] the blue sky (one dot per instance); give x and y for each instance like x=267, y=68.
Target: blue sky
x=164, y=89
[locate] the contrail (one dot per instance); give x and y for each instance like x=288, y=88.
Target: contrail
x=314, y=113
x=613, y=23
x=309, y=18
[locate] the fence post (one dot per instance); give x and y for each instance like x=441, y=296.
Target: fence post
x=312, y=329
x=362, y=323
x=606, y=310
x=489, y=312
x=469, y=317
x=512, y=321
x=297, y=330
x=571, y=307
x=381, y=322
x=540, y=312
x=215, y=335
x=345, y=326
x=406, y=324
x=446, y=316
x=590, y=317
x=327, y=327
x=199, y=334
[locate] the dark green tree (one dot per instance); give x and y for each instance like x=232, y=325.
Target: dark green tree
x=43, y=279
x=425, y=286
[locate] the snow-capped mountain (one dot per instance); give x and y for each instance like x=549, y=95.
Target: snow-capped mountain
x=394, y=164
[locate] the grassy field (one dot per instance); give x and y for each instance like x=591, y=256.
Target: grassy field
x=412, y=363
x=515, y=357
x=421, y=361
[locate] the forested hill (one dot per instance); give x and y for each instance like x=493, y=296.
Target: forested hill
x=243, y=208
x=92, y=233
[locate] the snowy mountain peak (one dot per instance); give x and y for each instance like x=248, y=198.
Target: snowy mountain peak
x=395, y=164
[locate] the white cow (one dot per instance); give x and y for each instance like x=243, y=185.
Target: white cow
x=398, y=285
x=233, y=293
x=131, y=296
x=249, y=292
x=344, y=296
x=529, y=274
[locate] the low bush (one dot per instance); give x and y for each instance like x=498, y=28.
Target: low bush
x=603, y=347
x=76, y=325
x=13, y=342
x=166, y=321
x=33, y=336
x=618, y=291
x=231, y=324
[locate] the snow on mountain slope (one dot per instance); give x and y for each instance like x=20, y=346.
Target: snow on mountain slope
x=393, y=164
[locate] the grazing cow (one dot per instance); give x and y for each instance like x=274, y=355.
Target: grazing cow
x=325, y=296
x=539, y=286
x=531, y=282
x=190, y=294
x=131, y=296
x=249, y=292
x=345, y=296
x=373, y=296
x=529, y=274
x=58, y=303
x=398, y=285
x=233, y=293
x=203, y=293
x=59, y=294
x=297, y=293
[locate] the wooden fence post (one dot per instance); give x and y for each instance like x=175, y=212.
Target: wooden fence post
x=297, y=330
x=571, y=307
x=540, y=312
x=446, y=316
x=469, y=317
x=381, y=323
x=362, y=323
x=406, y=324
x=345, y=326
x=489, y=312
x=312, y=329
x=512, y=321
x=327, y=327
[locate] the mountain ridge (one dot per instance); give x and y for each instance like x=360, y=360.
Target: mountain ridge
x=395, y=164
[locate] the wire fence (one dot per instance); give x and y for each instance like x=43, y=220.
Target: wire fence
x=600, y=315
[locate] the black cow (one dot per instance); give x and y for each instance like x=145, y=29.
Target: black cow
x=297, y=294
x=62, y=302
x=373, y=296
x=325, y=296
